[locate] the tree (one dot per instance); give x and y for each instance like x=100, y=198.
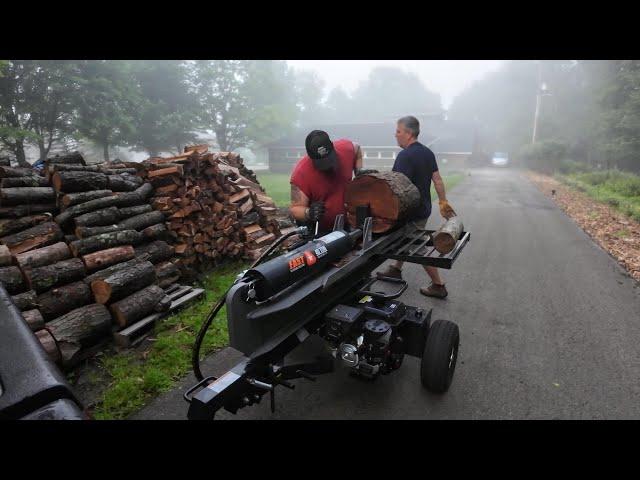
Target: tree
x=309, y=92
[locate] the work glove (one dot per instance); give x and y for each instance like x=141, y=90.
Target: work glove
x=316, y=211
x=363, y=171
x=445, y=210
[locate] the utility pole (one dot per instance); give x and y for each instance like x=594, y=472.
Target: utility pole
x=538, y=91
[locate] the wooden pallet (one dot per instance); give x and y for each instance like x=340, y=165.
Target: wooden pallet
x=180, y=295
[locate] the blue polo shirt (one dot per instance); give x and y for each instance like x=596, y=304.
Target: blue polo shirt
x=418, y=163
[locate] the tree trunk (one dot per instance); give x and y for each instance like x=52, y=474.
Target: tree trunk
x=12, y=280
x=34, y=319
x=80, y=328
x=43, y=256
x=61, y=300
x=71, y=199
x=13, y=182
x=167, y=273
x=447, y=235
x=158, y=251
x=6, y=259
x=9, y=226
x=104, y=258
x=102, y=274
x=391, y=196
x=98, y=218
x=105, y=151
x=49, y=344
x=137, y=306
x=72, y=182
x=24, y=210
x=26, y=300
x=104, y=241
x=56, y=274
x=141, y=221
x=21, y=158
x=25, y=195
x=123, y=183
x=39, y=236
x=123, y=282
x=133, y=211
x=86, y=232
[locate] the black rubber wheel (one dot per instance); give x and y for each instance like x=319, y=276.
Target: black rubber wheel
x=440, y=356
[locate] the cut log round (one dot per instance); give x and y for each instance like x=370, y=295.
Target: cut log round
x=24, y=210
x=445, y=238
x=104, y=258
x=49, y=344
x=26, y=300
x=133, y=211
x=13, y=182
x=9, y=226
x=104, y=241
x=158, y=251
x=141, y=221
x=86, y=232
x=392, y=197
x=61, y=300
x=59, y=273
x=167, y=273
x=34, y=319
x=71, y=182
x=43, y=256
x=98, y=218
x=119, y=284
x=137, y=306
x=70, y=158
x=123, y=183
x=39, y=236
x=12, y=280
x=6, y=259
x=80, y=328
x=71, y=199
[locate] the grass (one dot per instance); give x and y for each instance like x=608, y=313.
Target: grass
x=620, y=190
x=135, y=377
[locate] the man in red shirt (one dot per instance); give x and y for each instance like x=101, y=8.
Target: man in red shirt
x=319, y=179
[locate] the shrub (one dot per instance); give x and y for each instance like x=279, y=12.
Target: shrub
x=571, y=166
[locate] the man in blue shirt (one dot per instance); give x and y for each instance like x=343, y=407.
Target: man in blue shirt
x=419, y=164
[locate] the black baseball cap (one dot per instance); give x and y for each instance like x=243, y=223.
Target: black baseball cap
x=320, y=150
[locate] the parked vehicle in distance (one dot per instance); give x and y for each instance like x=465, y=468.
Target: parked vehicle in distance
x=500, y=159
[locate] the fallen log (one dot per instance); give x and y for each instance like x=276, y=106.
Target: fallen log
x=104, y=241
x=136, y=306
x=56, y=274
x=117, y=285
x=157, y=250
x=79, y=329
x=26, y=300
x=71, y=199
x=391, y=196
x=38, y=236
x=9, y=226
x=34, y=319
x=13, y=182
x=105, y=258
x=63, y=299
x=43, y=256
x=445, y=238
x=12, y=279
x=71, y=182
x=98, y=218
x=24, y=210
x=141, y=221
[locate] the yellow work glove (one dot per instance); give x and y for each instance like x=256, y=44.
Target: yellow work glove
x=445, y=210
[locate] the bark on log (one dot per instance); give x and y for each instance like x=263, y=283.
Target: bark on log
x=71, y=182
x=156, y=232
x=61, y=300
x=133, y=211
x=5, y=161
x=6, y=259
x=6, y=172
x=49, y=344
x=144, y=220
x=54, y=275
x=24, y=210
x=123, y=183
x=158, y=251
x=70, y=158
x=117, y=285
x=34, y=319
x=9, y=226
x=14, y=182
x=105, y=258
x=12, y=279
x=167, y=273
x=50, y=170
x=104, y=241
x=25, y=195
x=71, y=199
x=43, y=256
x=79, y=329
x=26, y=300
x=391, y=195
x=118, y=171
x=98, y=218
x=137, y=306
x=85, y=232
x=39, y=236
x=445, y=238
x=102, y=274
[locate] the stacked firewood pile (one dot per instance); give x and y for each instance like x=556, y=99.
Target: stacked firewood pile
x=214, y=205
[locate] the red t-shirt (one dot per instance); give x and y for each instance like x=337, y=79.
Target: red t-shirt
x=328, y=187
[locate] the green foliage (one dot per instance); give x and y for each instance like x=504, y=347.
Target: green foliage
x=544, y=155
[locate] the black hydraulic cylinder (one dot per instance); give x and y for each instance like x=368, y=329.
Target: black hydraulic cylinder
x=305, y=261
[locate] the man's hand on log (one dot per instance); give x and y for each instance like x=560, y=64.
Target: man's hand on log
x=445, y=210
x=363, y=171
x=315, y=211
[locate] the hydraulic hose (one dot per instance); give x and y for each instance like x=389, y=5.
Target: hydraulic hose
x=195, y=358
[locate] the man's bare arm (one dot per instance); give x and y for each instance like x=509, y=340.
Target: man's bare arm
x=299, y=204
x=358, y=159
x=439, y=186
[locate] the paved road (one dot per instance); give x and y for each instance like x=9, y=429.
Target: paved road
x=549, y=326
